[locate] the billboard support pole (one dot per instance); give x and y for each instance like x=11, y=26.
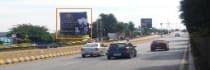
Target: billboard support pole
x=91, y=30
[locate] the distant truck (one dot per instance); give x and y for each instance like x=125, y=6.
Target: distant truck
x=113, y=36
x=177, y=35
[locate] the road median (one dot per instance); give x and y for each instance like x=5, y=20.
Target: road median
x=37, y=54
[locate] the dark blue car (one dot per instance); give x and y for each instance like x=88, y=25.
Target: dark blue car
x=121, y=50
x=45, y=46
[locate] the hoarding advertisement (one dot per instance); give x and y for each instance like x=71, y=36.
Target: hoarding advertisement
x=74, y=23
x=146, y=22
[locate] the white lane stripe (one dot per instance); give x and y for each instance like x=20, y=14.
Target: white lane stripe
x=184, y=60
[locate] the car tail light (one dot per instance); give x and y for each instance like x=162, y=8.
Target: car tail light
x=126, y=48
x=153, y=45
x=162, y=44
x=82, y=49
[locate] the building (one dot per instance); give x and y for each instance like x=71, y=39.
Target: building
x=5, y=39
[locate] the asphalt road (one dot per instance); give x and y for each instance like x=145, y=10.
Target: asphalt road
x=145, y=60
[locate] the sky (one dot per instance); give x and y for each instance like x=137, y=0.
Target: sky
x=42, y=12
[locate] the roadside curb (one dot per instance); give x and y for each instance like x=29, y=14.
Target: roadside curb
x=185, y=62
x=191, y=65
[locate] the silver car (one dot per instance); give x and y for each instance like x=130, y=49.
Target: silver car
x=93, y=49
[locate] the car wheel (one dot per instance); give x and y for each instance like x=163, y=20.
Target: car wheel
x=130, y=56
x=83, y=55
x=104, y=53
x=101, y=54
x=109, y=57
x=152, y=50
x=166, y=49
x=135, y=55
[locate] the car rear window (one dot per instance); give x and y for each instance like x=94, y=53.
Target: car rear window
x=117, y=45
x=91, y=45
x=159, y=41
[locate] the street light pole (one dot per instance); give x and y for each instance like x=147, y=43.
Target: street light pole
x=161, y=30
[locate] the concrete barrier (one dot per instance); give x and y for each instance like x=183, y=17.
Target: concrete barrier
x=42, y=56
x=2, y=62
x=37, y=57
x=54, y=55
x=15, y=60
x=32, y=58
x=21, y=59
x=50, y=55
x=27, y=58
x=8, y=61
x=46, y=56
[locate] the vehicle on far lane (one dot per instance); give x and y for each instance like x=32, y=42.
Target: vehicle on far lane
x=46, y=45
x=121, y=50
x=177, y=35
x=93, y=49
x=160, y=44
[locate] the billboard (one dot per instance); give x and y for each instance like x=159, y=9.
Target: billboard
x=74, y=23
x=146, y=22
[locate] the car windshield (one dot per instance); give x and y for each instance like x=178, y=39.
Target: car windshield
x=91, y=45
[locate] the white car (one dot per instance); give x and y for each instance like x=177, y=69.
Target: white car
x=93, y=49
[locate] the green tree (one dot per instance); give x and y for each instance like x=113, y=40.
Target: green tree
x=33, y=33
x=195, y=15
x=127, y=28
x=131, y=26
x=108, y=22
x=111, y=25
